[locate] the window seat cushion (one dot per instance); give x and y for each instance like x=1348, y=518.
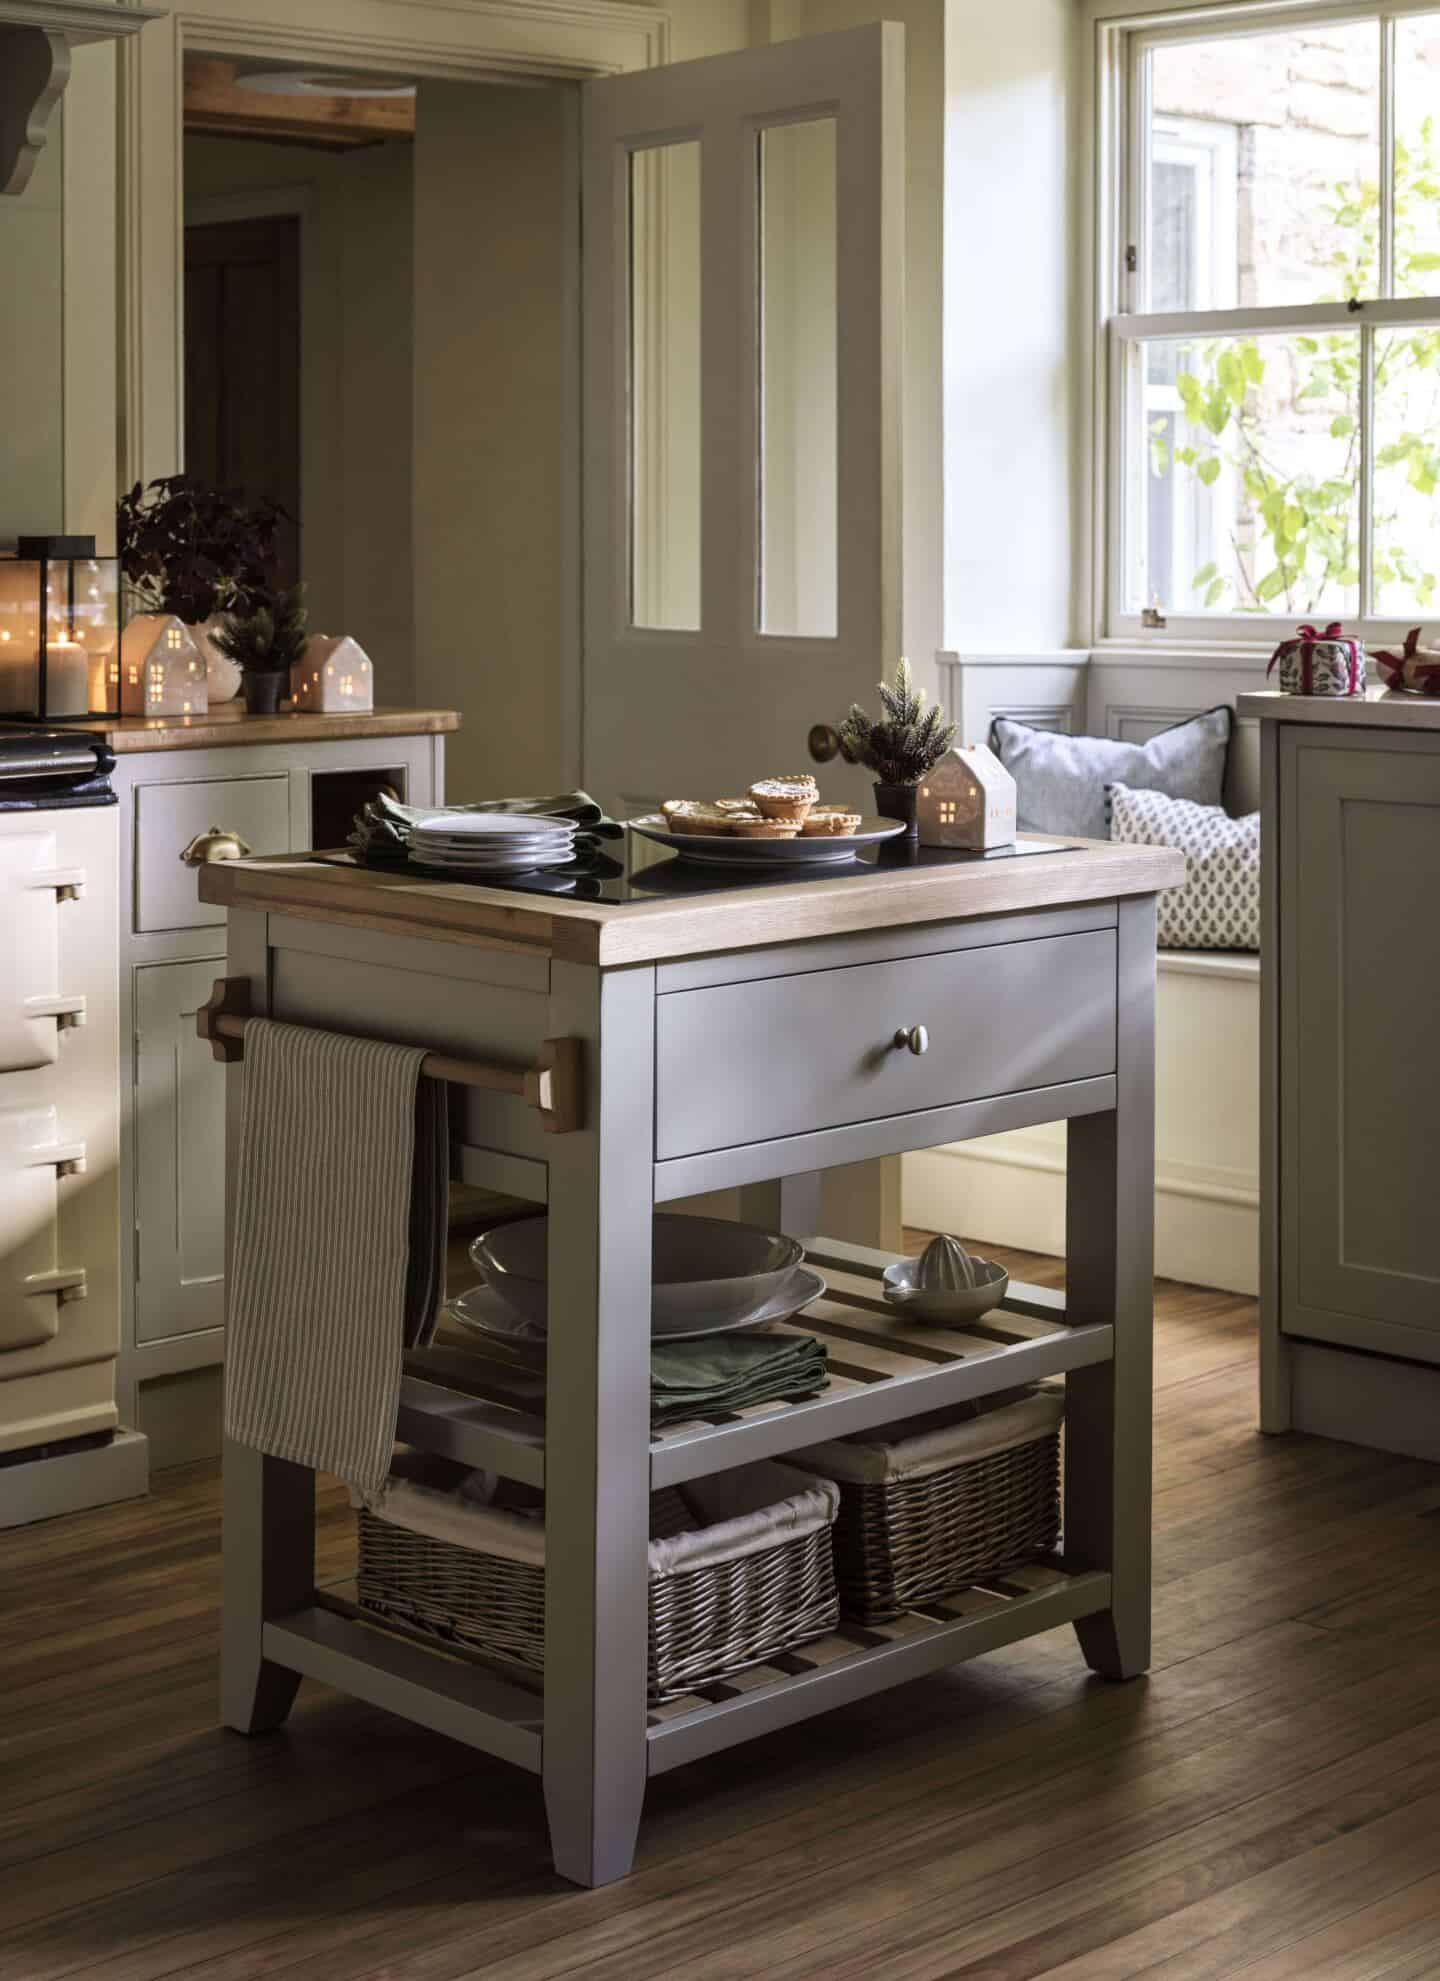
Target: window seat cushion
x=1218, y=905
x=1060, y=780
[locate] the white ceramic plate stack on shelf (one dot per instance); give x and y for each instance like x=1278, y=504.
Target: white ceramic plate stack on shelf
x=492, y=842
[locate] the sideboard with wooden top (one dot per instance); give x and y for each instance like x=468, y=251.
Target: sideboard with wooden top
x=708, y=1037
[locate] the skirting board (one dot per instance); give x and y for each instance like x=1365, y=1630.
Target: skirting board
x=1365, y=1399
x=1010, y=1189
x=72, y=1481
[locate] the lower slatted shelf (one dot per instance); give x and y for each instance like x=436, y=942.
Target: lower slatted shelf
x=859, y=1660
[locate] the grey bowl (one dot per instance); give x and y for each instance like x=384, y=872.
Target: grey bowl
x=707, y=1272
x=945, y=1307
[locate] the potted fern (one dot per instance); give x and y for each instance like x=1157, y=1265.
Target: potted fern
x=265, y=643
x=901, y=748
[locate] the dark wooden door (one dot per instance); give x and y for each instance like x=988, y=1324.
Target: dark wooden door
x=242, y=364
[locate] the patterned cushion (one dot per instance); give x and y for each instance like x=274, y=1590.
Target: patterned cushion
x=1060, y=780
x=1219, y=905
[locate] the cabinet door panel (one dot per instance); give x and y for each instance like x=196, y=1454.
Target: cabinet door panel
x=180, y=1156
x=1360, y=958
x=168, y=817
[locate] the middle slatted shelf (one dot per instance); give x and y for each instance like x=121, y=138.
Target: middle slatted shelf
x=485, y=1410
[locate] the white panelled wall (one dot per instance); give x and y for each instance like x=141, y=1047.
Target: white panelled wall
x=1010, y=1189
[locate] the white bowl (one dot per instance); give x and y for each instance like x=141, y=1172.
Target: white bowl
x=707, y=1272
x=945, y=1306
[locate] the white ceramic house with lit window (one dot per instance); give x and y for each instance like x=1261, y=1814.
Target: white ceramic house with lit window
x=162, y=670
x=967, y=800
x=334, y=675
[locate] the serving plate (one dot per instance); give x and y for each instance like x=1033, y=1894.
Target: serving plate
x=483, y=1312
x=721, y=849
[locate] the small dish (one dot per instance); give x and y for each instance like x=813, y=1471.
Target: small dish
x=947, y=1307
x=483, y=1312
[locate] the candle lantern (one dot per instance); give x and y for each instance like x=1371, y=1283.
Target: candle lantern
x=967, y=800
x=334, y=674
x=162, y=670
x=59, y=630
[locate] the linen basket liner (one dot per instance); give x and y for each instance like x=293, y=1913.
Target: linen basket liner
x=920, y=1446
x=749, y=1511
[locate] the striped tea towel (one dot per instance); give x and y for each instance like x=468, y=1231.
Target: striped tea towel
x=340, y=1225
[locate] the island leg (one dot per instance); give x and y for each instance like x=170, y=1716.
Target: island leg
x=597, y=1428
x=1109, y=1276
x=268, y=1568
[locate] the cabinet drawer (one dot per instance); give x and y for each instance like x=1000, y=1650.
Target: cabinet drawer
x=752, y=1062
x=167, y=818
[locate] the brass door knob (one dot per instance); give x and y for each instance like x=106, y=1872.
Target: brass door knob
x=216, y=844
x=915, y=1037
x=823, y=743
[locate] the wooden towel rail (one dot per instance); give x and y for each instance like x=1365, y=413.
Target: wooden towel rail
x=552, y=1084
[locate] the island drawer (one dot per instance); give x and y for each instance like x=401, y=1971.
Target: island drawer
x=754, y=1062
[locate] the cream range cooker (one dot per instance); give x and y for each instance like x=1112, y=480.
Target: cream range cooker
x=60, y=1445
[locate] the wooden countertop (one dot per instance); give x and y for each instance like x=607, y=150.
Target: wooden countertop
x=651, y=931
x=1377, y=708
x=229, y=725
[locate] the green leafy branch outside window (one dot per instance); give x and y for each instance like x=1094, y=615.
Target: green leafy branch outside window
x=1310, y=523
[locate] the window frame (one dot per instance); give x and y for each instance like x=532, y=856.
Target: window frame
x=1120, y=127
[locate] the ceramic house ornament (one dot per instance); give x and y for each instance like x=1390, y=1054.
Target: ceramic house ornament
x=162, y=670
x=967, y=800
x=334, y=675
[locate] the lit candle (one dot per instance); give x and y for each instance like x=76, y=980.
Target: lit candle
x=67, y=678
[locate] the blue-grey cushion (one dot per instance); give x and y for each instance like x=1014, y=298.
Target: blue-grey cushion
x=1060, y=780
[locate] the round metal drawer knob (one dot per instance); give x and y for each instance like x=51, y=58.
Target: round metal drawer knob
x=914, y=1036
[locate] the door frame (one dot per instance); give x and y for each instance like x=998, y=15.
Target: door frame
x=490, y=41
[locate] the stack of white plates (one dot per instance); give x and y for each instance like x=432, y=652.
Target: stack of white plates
x=492, y=842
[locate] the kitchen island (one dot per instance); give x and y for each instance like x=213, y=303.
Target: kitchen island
x=690, y=1035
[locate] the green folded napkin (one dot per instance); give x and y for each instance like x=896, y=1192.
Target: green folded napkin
x=730, y=1372
x=382, y=830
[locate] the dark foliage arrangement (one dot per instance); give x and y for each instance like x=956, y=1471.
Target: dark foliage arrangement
x=269, y=637
x=194, y=550
x=909, y=739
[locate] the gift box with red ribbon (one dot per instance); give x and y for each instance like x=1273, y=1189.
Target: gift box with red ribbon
x=1313, y=663
x=1415, y=668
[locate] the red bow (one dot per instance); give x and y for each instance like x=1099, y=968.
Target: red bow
x=1402, y=670
x=1306, y=636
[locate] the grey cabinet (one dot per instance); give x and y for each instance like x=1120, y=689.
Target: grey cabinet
x=1359, y=928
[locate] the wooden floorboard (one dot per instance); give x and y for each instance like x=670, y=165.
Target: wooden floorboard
x=1265, y=1804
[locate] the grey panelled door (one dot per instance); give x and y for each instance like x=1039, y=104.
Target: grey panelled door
x=1360, y=958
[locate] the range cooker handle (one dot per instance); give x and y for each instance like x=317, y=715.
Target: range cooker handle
x=68, y=883
x=64, y=1010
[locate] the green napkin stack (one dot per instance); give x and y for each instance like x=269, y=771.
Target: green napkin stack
x=382, y=829
x=728, y=1372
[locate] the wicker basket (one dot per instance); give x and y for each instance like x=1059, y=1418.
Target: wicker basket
x=937, y=1503
x=723, y=1593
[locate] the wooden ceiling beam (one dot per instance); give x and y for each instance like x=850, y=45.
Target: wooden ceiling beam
x=216, y=104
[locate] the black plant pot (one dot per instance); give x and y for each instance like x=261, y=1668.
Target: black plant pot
x=897, y=801
x=262, y=691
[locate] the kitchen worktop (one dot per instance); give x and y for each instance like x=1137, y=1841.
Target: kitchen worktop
x=870, y=897
x=230, y=725
x=1377, y=708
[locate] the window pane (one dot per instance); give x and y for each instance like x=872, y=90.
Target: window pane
x=798, y=423
x=1417, y=155
x=1406, y=515
x=665, y=387
x=1248, y=458
x=1265, y=168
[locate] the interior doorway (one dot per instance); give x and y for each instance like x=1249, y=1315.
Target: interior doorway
x=242, y=365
